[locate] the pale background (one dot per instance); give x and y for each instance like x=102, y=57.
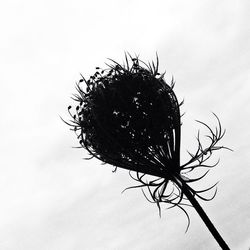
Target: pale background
x=50, y=198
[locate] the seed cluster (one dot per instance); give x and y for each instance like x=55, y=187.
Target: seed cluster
x=129, y=116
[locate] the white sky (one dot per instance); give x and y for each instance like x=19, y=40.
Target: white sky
x=50, y=197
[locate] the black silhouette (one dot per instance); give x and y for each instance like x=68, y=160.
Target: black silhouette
x=129, y=117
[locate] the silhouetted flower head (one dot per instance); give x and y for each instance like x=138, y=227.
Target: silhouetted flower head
x=129, y=117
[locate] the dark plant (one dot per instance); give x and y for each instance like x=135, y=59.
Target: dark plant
x=129, y=117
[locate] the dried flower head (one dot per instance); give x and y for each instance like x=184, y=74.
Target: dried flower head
x=129, y=117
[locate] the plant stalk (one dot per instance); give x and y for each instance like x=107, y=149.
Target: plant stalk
x=203, y=215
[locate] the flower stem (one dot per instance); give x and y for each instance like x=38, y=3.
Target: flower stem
x=204, y=216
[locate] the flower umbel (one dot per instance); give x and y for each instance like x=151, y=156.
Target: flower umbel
x=129, y=117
